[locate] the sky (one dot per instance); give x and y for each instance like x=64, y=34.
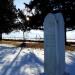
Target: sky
x=20, y=3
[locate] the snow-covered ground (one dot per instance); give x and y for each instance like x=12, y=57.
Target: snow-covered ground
x=28, y=61
x=70, y=62
x=17, y=61
x=35, y=35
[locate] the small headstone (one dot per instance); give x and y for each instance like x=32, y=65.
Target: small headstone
x=54, y=44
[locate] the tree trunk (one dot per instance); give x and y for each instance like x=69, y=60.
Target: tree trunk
x=65, y=35
x=0, y=36
x=23, y=37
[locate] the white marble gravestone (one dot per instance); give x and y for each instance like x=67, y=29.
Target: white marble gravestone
x=54, y=44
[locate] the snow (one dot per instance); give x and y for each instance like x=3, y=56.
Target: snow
x=29, y=35
x=13, y=35
x=70, y=36
x=18, y=61
x=35, y=35
x=70, y=62
x=28, y=61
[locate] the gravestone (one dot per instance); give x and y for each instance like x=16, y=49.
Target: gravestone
x=54, y=53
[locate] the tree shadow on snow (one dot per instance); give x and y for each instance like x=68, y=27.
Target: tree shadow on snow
x=70, y=67
x=4, y=52
x=24, y=65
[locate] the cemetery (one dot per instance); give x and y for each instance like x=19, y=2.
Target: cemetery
x=51, y=51
x=37, y=37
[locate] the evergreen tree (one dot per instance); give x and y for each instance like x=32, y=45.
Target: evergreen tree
x=43, y=7
x=8, y=16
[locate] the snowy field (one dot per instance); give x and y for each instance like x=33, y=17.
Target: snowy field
x=70, y=36
x=17, y=61
x=29, y=35
x=35, y=35
x=28, y=61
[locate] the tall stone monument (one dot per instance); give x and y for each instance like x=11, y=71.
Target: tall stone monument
x=54, y=44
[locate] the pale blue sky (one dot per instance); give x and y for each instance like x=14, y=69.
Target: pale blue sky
x=20, y=3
